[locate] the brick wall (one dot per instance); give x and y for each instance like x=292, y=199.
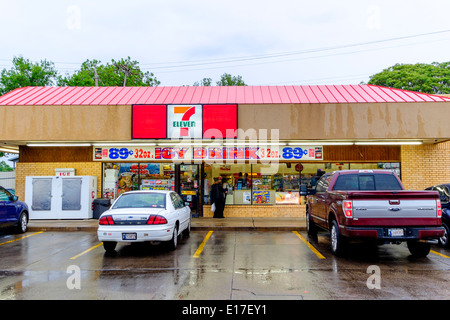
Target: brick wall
x=425, y=165
x=298, y=211
x=24, y=169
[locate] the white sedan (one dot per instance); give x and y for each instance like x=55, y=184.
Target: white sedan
x=139, y=216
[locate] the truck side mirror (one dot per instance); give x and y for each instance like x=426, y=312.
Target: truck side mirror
x=303, y=190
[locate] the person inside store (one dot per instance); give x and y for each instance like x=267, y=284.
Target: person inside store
x=218, y=194
x=242, y=182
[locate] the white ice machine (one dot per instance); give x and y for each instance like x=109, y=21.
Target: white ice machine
x=50, y=197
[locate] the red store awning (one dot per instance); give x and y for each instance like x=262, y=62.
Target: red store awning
x=38, y=96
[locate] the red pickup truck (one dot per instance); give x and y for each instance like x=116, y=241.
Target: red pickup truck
x=373, y=205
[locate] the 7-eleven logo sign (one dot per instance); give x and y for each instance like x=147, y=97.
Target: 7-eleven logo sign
x=184, y=121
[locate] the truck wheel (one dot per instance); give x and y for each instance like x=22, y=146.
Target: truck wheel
x=419, y=249
x=443, y=241
x=338, y=242
x=310, y=227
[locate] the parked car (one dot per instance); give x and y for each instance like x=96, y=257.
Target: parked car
x=444, y=196
x=141, y=216
x=373, y=205
x=13, y=213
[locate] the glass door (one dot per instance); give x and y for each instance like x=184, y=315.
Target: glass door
x=190, y=186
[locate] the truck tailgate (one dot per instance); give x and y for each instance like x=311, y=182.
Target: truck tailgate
x=423, y=208
x=405, y=208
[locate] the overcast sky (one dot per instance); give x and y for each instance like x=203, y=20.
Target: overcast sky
x=281, y=42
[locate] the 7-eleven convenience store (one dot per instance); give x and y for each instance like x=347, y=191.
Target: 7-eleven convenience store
x=266, y=143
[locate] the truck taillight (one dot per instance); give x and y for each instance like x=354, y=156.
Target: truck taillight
x=439, y=208
x=106, y=220
x=347, y=205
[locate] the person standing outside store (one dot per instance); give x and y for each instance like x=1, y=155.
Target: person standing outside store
x=218, y=194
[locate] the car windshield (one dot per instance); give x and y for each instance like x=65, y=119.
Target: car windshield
x=141, y=200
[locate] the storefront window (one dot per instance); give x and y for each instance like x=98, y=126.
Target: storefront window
x=236, y=178
x=156, y=176
x=247, y=184
x=277, y=184
x=256, y=184
x=311, y=172
x=393, y=166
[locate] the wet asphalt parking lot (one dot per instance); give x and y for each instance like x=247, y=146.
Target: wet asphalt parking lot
x=219, y=265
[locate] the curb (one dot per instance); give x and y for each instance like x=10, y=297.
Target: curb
x=232, y=224
x=196, y=228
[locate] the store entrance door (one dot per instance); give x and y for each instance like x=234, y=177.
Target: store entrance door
x=189, y=187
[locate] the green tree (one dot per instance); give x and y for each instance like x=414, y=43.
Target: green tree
x=5, y=167
x=225, y=80
x=206, y=82
x=26, y=73
x=123, y=72
x=431, y=78
x=85, y=77
x=228, y=80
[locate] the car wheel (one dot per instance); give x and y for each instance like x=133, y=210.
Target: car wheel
x=22, y=224
x=174, y=242
x=443, y=241
x=109, y=245
x=310, y=227
x=187, y=231
x=338, y=242
x=419, y=249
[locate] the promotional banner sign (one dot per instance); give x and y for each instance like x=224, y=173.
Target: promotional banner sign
x=198, y=154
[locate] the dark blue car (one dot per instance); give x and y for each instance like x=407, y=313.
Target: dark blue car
x=444, y=196
x=13, y=213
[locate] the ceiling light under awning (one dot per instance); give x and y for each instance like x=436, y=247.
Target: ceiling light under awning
x=58, y=145
x=7, y=150
x=387, y=143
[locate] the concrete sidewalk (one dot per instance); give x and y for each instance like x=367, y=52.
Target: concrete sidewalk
x=231, y=224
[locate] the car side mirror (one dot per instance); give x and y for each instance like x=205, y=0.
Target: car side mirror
x=15, y=198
